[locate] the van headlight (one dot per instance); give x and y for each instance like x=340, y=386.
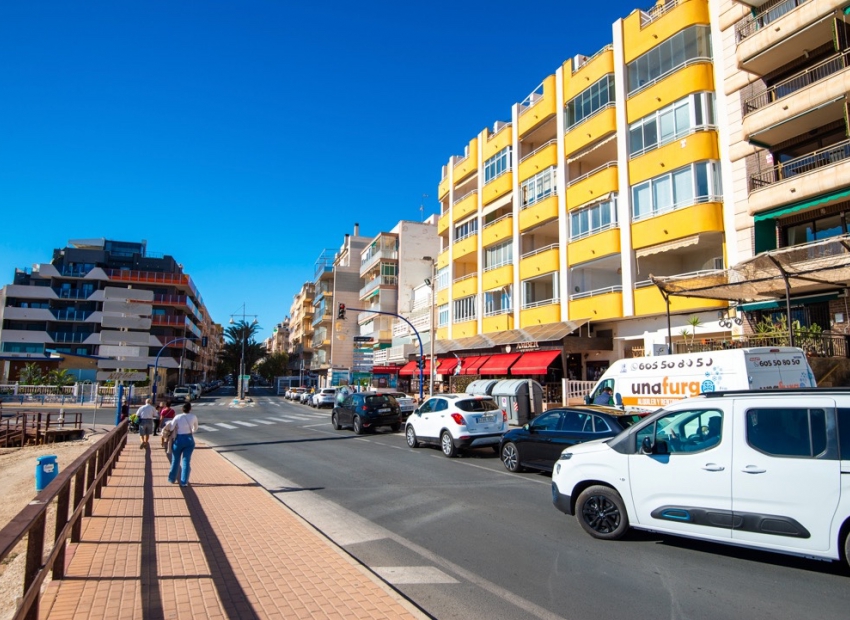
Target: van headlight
x=566, y=456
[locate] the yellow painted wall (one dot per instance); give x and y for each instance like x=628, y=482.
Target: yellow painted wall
x=595, y=246
x=442, y=333
x=597, y=308
x=495, y=142
x=540, y=111
x=464, y=330
x=638, y=41
x=707, y=217
x=465, y=247
x=469, y=165
x=544, y=158
x=544, y=315
x=443, y=223
x=465, y=288
x=588, y=74
x=498, y=187
x=545, y=262
x=498, y=323
x=497, y=278
x=593, y=187
x=443, y=259
x=694, y=147
x=466, y=207
x=443, y=188
x=694, y=78
x=543, y=211
x=500, y=231
x=590, y=130
x=648, y=301
x=443, y=297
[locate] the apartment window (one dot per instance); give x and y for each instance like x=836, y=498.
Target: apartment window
x=467, y=229
x=686, y=186
x=464, y=309
x=540, y=291
x=442, y=278
x=14, y=347
x=389, y=269
x=443, y=315
x=593, y=219
x=497, y=165
x=671, y=123
x=497, y=302
x=538, y=187
x=589, y=101
x=498, y=255
x=690, y=44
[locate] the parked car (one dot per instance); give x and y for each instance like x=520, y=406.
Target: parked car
x=538, y=444
x=324, y=398
x=295, y=393
x=364, y=411
x=457, y=421
x=197, y=391
x=304, y=397
x=406, y=403
x=760, y=469
x=183, y=393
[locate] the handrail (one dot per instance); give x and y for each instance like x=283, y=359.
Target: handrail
x=542, y=302
x=466, y=195
x=89, y=471
x=596, y=112
x=539, y=148
x=468, y=276
x=598, y=291
x=657, y=11
x=590, y=58
x=676, y=136
x=553, y=246
x=497, y=220
x=587, y=175
x=691, y=61
x=767, y=13
x=833, y=154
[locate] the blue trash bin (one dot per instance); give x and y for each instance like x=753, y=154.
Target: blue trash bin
x=45, y=471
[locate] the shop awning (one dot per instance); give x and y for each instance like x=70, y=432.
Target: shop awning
x=498, y=364
x=446, y=365
x=385, y=370
x=411, y=368
x=534, y=362
x=472, y=364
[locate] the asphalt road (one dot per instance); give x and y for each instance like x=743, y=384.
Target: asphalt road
x=463, y=538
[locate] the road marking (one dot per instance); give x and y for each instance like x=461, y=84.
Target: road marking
x=262, y=421
x=204, y=427
x=298, y=417
x=243, y=423
x=398, y=575
x=278, y=419
x=223, y=425
x=275, y=404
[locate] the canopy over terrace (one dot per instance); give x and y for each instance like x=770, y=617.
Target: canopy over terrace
x=768, y=276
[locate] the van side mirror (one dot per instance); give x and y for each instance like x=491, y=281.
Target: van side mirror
x=659, y=446
x=646, y=445
x=587, y=399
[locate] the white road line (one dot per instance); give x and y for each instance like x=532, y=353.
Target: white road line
x=243, y=423
x=262, y=421
x=204, y=427
x=298, y=417
x=278, y=419
x=276, y=404
x=223, y=425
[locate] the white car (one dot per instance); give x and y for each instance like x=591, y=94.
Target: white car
x=456, y=421
x=183, y=393
x=326, y=397
x=766, y=469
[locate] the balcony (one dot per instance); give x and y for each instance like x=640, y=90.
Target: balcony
x=443, y=223
x=592, y=129
x=648, y=301
x=593, y=185
x=538, y=107
x=171, y=320
x=697, y=145
x=497, y=277
x=498, y=230
x=151, y=277
x=466, y=246
x=678, y=223
x=497, y=141
x=62, y=337
x=602, y=242
x=321, y=317
x=802, y=178
x=780, y=31
x=69, y=293
x=540, y=212
x=494, y=323
x=542, y=312
x=383, y=254
x=643, y=30
x=599, y=304
x=469, y=164
x=465, y=205
x=497, y=187
x=539, y=262
x=795, y=106
x=541, y=158
x=695, y=76
x=814, y=344
x=465, y=286
x=376, y=282
x=587, y=70
x=443, y=188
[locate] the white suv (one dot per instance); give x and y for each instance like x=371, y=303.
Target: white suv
x=763, y=469
x=456, y=421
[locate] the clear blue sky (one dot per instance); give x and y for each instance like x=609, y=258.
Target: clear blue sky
x=243, y=137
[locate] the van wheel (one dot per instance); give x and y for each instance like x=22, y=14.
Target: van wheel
x=601, y=513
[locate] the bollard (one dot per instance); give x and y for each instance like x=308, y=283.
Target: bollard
x=45, y=471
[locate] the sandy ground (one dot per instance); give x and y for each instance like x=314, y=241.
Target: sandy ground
x=17, y=489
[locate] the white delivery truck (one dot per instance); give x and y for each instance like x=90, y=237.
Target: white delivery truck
x=647, y=383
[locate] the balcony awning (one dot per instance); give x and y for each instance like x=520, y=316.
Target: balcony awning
x=534, y=362
x=470, y=365
x=676, y=244
x=498, y=364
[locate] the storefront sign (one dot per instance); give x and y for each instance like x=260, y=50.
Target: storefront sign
x=527, y=346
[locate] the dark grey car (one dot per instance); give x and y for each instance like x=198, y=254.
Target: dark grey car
x=367, y=410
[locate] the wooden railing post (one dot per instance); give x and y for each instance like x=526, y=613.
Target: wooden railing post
x=35, y=553
x=62, y=501
x=79, y=484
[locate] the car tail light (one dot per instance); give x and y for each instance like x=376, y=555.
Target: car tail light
x=458, y=419
x=364, y=408
x=504, y=416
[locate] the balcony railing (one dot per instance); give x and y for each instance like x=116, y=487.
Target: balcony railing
x=383, y=253
x=68, y=336
x=553, y=246
x=659, y=10
x=801, y=165
x=71, y=315
x=539, y=149
x=596, y=292
x=498, y=311
x=73, y=293
x=543, y=302
x=498, y=219
x=379, y=281
x=587, y=175
x=169, y=319
x=815, y=345
x=585, y=60
x=767, y=13
x=797, y=82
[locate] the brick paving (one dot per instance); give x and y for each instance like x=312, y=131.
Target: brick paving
x=220, y=548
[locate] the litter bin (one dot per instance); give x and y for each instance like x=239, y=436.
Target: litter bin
x=481, y=387
x=45, y=471
x=514, y=397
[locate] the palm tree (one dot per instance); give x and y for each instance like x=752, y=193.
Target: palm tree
x=238, y=335
x=30, y=374
x=60, y=377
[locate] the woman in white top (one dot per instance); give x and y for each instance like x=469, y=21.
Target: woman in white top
x=182, y=428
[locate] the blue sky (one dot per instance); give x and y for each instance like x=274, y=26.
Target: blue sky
x=244, y=137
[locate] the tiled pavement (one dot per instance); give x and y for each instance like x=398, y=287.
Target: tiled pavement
x=220, y=548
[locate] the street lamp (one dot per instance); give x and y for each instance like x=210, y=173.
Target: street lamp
x=431, y=282
x=244, y=338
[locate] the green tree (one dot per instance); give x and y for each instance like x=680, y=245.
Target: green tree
x=275, y=365
x=60, y=377
x=30, y=374
x=236, y=335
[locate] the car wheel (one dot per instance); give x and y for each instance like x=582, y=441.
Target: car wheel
x=357, y=425
x=410, y=435
x=335, y=422
x=396, y=427
x=602, y=513
x=448, y=445
x=847, y=549
x=510, y=457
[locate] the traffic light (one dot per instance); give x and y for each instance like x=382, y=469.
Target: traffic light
x=341, y=312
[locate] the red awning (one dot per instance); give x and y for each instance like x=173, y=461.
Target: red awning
x=447, y=365
x=410, y=368
x=534, y=363
x=498, y=364
x=472, y=364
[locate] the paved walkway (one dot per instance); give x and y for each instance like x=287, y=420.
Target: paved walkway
x=220, y=548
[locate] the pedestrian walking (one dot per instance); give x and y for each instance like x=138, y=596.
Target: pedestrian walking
x=145, y=414
x=166, y=414
x=156, y=421
x=183, y=427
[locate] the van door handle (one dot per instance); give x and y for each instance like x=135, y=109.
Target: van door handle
x=713, y=467
x=753, y=469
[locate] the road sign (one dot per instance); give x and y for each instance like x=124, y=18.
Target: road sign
x=117, y=375
x=122, y=308
x=131, y=338
x=130, y=322
x=120, y=351
x=112, y=293
x=125, y=364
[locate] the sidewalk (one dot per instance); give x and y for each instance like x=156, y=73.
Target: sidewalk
x=220, y=548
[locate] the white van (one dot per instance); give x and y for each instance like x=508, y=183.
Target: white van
x=644, y=384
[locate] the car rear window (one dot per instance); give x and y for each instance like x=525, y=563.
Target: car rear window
x=380, y=400
x=476, y=405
